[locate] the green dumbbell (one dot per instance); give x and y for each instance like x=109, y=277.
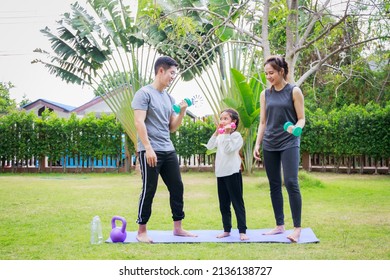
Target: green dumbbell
x=296, y=131
x=176, y=107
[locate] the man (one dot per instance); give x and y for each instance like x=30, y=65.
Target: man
x=154, y=121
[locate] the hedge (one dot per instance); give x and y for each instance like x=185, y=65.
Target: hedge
x=350, y=131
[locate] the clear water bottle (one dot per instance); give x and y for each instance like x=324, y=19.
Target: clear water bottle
x=96, y=231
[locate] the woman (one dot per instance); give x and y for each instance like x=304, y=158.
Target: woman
x=281, y=103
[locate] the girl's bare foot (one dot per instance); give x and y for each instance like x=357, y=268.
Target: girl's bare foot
x=223, y=234
x=277, y=230
x=243, y=236
x=144, y=238
x=184, y=233
x=294, y=236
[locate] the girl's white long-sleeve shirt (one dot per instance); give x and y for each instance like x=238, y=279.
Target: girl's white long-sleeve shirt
x=227, y=159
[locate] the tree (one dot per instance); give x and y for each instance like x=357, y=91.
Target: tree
x=217, y=35
x=24, y=101
x=91, y=46
x=357, y=83
x=319, y=29
x=7, y=105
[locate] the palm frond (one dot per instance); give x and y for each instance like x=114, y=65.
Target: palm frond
x=60, y=45
x=66, y=75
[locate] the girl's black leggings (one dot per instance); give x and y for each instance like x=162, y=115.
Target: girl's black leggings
x=289, y=159
x=230, y=192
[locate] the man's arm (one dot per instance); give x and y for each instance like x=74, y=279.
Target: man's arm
x=176, y=120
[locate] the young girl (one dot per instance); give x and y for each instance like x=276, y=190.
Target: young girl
x=228, y=142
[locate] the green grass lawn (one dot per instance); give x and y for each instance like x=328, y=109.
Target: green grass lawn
x=47, y=217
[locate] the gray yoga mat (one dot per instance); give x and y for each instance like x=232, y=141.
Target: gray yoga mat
x=255, y=235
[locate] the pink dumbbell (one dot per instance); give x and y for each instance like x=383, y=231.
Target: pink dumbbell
x=222, y=129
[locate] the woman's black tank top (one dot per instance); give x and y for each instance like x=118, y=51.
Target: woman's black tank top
x=279, y=109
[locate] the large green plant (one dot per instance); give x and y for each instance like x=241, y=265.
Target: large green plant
x=246, y=102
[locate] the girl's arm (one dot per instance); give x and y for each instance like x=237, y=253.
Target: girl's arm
x=212, y=143
x=231, y=142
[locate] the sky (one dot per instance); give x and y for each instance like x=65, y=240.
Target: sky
x=20, y=25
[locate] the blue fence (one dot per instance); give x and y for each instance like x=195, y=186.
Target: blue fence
x=106, y=161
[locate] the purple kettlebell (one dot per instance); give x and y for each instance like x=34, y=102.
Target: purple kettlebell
x=118, y=234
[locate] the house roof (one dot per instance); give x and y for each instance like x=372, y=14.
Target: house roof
x=90, y=103
x=49, y=103
x=70, y=109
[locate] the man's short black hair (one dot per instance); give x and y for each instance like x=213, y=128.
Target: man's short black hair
x=165, y=62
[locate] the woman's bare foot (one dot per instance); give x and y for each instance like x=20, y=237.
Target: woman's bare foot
x=277, y=230
x=243, y=236
x=144, y=238
x=184, y=233
x=294, y=236
x=223, y=234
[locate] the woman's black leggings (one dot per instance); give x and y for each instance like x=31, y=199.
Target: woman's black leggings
x=289, y=159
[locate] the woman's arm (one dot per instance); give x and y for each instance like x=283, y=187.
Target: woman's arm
x=299, y=105
x=261, y=128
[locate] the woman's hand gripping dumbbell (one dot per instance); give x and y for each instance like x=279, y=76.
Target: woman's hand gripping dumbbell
x=296, y=130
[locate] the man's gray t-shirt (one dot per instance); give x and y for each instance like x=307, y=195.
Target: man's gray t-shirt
x=158, y=107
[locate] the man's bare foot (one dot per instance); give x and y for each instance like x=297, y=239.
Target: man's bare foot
x=243, y=236
x=184, y=233
x=142, y=235
x=179, y=231
x=294, y=236
x=144, y=238
x=277, y=230
x=223, y=234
